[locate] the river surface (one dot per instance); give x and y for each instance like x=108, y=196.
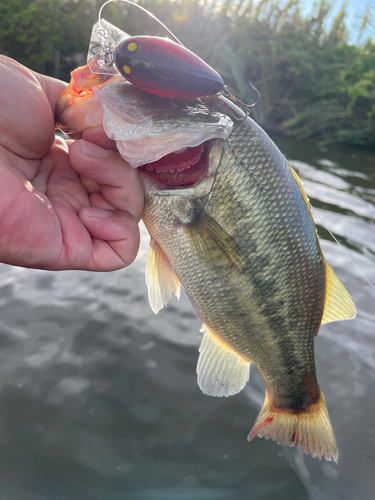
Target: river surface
x=98, y=396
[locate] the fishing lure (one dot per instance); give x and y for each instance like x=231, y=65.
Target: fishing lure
x=162, y=67
x=156, y=65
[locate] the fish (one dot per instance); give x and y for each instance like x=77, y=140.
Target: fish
x=230, y=222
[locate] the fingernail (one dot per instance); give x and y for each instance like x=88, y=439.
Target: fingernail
x=98, y=213
x=90, y=149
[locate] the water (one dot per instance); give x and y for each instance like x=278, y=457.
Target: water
x=98, y=397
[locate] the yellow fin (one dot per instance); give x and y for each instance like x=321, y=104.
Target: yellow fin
x=211, y=242
x=161, y=280
x=309, y=429
x=302, y=191
x=221, y=371
x=338, y=304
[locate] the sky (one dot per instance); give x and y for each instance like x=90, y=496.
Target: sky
x=355, y=11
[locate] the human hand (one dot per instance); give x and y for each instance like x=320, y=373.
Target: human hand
x=51, y=217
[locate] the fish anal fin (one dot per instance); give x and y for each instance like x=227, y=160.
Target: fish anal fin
x=161, y=280
x=309, y=429
x=338, y=304
x=221, y=371
x=211, y=241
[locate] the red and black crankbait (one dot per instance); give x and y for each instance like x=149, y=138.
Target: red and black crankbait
x=162, y=67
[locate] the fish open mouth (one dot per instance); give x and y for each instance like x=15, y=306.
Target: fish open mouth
x=182, y=168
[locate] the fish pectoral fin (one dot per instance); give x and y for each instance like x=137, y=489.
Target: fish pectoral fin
x=211, y=241
x=221, y=371
x=309, y=429
x=338, y=304
x=161, y=280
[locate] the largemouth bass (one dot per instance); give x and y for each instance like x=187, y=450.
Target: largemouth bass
x=230, y=221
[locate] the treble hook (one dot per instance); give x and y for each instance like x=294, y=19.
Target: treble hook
x=244, y=107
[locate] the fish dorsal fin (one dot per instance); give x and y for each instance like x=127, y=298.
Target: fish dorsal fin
x=338, y=304
x=221, y=371
x=211, y=242
x=161, y=280
x=302, y=191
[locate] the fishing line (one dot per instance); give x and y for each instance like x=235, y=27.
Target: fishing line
x=144, y=10
x=316, y=215
x=225, y=92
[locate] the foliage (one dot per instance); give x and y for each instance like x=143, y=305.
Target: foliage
x=312, y=81
x=49, y=36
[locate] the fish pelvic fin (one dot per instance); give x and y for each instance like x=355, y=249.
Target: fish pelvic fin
x=221, y=371
x=309, y=429
x=161, y=280
x=338, y=304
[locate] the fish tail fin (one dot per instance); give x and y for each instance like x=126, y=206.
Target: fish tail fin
x=309, y=429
